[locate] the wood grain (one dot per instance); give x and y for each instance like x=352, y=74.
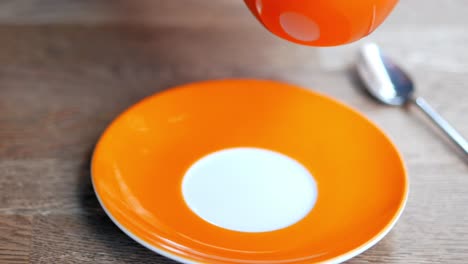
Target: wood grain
x=85, y=239
x=15, y=238
x=67, y=68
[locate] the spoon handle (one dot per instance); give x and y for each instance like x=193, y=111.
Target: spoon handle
x=456, y=138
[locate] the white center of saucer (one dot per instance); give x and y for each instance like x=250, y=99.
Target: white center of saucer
x=249, y=189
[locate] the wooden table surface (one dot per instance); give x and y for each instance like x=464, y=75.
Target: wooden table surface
x=67, y=68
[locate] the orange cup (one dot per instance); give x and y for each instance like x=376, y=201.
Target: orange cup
x=321, y=22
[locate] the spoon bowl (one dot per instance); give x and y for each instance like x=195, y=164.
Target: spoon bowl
x=383, y=79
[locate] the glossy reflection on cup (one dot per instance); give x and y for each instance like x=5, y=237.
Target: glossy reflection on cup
x=321, y=23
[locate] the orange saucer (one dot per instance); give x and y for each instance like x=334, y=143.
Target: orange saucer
x=249, y=171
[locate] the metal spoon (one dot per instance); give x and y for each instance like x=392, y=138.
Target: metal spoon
x=387, y=82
